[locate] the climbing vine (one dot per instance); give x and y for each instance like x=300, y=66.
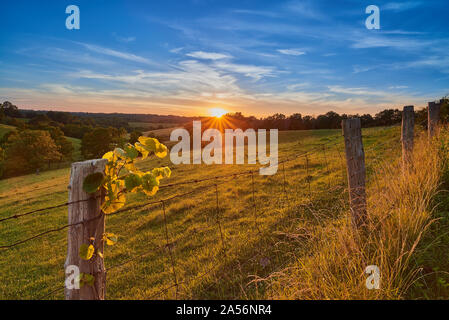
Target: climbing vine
x=120, y=178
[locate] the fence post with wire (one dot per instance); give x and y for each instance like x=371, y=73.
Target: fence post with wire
x=355, y=163
x=433, y=117
x=86, y=228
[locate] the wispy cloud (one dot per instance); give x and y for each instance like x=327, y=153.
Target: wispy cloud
x=296, y=86
x=208, y=55
x=364, y=42
x=359, y=69
x=291, y=52
x=356, y=91
x=398, y=87
x=123, y=39
x=255, y=72
x=176, y=50
x=116, y=54
x=402, y=6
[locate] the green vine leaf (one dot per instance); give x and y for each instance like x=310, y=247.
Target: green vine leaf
x=132, y=182
x=150, y=184
x=131, y=152
x=122, y=176
x=93, y=182
x=86, y=251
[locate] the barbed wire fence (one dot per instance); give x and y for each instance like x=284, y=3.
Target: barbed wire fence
x=307, y=162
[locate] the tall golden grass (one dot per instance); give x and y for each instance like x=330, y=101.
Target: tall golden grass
x=400, y=211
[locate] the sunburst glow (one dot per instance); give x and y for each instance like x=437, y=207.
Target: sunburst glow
x=217, y=112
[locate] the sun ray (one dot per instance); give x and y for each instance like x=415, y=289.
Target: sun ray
x=217, y=112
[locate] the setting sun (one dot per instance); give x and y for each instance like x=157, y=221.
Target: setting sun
x=217, y=112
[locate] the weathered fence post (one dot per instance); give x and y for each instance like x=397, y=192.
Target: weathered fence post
x=355, y=162
x=433, y=118
x=89, y=232
x=408, y=123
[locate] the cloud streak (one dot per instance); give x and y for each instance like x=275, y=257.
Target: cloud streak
x=208, y=55
x=117, y=54
x=291, y=52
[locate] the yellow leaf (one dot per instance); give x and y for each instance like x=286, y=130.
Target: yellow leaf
x=109, y=155
x=161, y=151
x=141, y=148
x=110, y=238
x=86, y=251
x=114, y=198
x=110, y=206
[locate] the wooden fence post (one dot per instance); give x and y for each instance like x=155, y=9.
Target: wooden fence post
x=433, y=117
x=90, y=232
x=355, y=162
x=408, y=123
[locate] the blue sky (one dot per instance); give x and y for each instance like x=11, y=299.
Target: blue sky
x=257, y=57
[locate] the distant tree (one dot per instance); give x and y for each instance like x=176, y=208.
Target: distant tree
x=388, y=117
x=9, y=110
x=134, y=136
x=97, y=142
x=27, y=151
x=65, y=147
x=75, y=130
x=330, y=120
x=296, y=122
x=61, y=117
x=367, y=120
x=309, y=122
x=39, y=121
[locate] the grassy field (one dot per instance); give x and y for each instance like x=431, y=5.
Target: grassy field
x=152, y=125
x=226, y=244
x=5, y=129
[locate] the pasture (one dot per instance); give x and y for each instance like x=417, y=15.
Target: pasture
x=227, y=237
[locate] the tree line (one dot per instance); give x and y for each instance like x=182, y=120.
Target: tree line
x=40, y=141
x=40, y=136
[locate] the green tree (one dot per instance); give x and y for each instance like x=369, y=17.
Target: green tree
x=9, y=110
x=27, y=151
x=65, y=147
x=97, y=142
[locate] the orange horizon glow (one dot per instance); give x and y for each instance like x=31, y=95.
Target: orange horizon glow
x=217, y=112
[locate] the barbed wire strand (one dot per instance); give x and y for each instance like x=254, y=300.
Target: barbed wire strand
x=169, y=247
x=16, y=216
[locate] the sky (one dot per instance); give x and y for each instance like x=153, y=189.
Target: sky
x=255, y=57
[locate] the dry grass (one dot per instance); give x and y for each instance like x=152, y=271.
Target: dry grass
x=400, y=213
